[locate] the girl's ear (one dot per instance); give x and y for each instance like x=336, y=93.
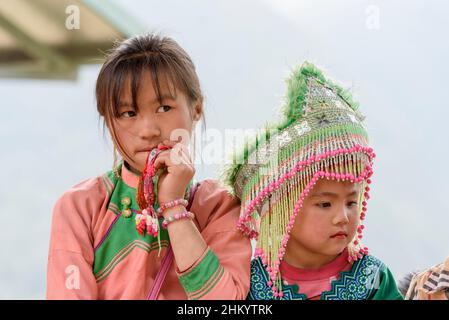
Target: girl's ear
x=198, y=110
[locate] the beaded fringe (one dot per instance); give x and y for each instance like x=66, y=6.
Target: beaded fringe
x=269, y=206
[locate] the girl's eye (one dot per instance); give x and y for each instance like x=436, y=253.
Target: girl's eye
x=127, y=114
x=164, y=108
x=352, y=204
x=324, y=204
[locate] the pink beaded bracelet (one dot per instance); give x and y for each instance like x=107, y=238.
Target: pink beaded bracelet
x=171, y=204
x=177, y=216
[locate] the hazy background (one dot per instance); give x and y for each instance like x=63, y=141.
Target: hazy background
x=392, y=54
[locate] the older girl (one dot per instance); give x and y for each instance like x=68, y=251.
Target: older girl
x=147, y=93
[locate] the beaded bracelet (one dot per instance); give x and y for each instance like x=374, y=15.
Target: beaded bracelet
x=171, y=204
x=177, y=216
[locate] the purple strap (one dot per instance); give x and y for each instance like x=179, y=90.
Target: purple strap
x=160, y=277
x=166, y=263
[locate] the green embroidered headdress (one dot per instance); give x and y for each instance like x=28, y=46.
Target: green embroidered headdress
x=321, y=135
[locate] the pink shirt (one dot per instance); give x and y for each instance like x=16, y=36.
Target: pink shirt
x=312, y=282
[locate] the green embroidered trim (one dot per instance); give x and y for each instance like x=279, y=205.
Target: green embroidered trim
x=103, y=179
x=113, y=207
x=124, y=252
x=209, y=285
x=195, y=279
x=123, y=233
x=123, y=237
x=358, y=283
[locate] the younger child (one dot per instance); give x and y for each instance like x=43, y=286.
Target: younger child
x=303, y=186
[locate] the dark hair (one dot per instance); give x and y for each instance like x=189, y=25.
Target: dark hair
x=161, y=56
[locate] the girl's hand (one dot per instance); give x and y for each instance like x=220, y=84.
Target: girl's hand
x=179, y=171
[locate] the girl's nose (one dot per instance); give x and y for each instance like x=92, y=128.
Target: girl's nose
x=148, y=128
x=341, y=216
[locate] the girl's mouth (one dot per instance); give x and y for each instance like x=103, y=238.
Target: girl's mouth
x=339, y=235
x=148, y=149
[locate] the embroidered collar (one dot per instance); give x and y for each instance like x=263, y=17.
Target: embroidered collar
x=326, y=271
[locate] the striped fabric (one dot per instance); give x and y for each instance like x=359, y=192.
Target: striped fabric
x=432, y=284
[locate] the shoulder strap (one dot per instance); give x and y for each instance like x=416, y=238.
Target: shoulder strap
x=168, y=259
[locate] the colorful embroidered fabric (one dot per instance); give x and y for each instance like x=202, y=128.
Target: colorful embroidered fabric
x=368, y=279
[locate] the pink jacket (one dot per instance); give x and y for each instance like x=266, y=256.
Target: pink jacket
x=96, y=253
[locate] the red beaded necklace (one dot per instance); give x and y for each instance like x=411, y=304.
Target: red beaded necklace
x=147, y=219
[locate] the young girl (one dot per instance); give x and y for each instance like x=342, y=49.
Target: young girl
x=149, y=95
x=304, y=187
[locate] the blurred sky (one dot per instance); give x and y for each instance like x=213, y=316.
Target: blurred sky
x=391, y=54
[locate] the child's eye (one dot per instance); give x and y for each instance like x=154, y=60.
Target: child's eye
x=164, y=108
x=352, y=204
x=127, y=114
x=324, y=204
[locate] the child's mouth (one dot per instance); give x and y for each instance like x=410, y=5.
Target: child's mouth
x=147, y=149
x=339, y=235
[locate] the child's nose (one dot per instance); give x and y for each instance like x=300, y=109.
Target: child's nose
x=341, y=216
x=149, y=128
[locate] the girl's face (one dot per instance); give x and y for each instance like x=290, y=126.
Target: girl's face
x=325, y=225
x=143, y=129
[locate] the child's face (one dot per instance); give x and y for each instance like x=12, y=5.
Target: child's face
x=326, y=223
x=143, y=129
